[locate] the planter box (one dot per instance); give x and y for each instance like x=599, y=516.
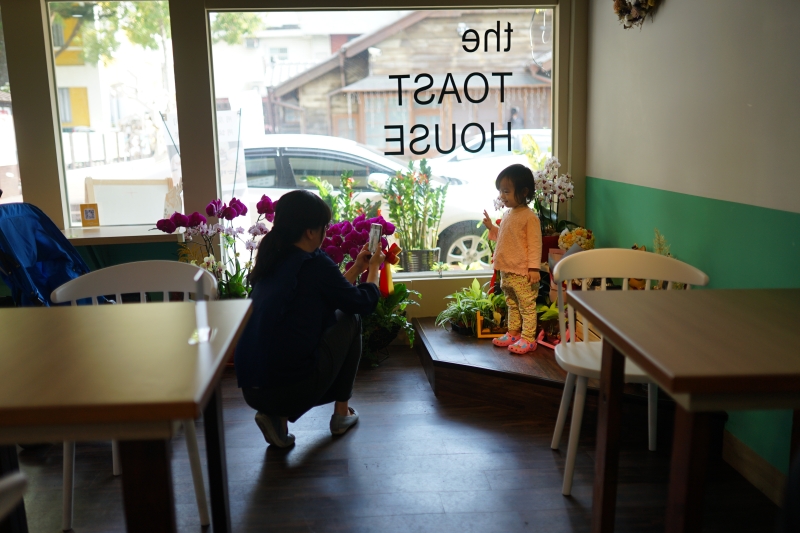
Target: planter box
x=488, y=335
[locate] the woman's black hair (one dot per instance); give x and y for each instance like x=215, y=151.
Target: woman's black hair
x=295, y=212
x=521, y=178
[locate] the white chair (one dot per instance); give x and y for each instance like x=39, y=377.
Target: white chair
x=136, y=278
x=582, y=360
x=12, y=487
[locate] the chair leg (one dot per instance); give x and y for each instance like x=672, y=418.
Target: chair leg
x=652, y=415
x=197, y=471
x=566, y=398
x=68, y=485
x=574, y=434
x=116, y=465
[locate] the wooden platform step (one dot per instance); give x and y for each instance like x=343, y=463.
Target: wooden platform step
x=474, y=367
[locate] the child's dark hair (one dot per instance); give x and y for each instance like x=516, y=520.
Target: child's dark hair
x=295, y=212
x=521, y=178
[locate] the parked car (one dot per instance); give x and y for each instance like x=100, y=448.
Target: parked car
x=277, y=164
x=485, y=165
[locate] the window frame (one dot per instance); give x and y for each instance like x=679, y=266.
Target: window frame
x=36, y=118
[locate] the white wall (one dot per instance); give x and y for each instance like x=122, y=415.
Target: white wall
x=703, y=100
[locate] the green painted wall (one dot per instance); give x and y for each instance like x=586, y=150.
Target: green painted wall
x=737, y=245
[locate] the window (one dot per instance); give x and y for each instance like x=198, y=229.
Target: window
x=279, y=54
x=116, y=105
x=58, y=34
x=433, y=84
x=262, y=169
x=64, y=106
x=251, y=42
x=330, y=166
x=10, y=184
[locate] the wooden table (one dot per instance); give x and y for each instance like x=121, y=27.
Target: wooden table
x=698, y=346
x=124, y=372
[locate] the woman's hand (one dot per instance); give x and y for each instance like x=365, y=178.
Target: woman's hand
x=533, y=276
x=376, y=260
x=375, y=263
x=362, y=261
x=487, y=221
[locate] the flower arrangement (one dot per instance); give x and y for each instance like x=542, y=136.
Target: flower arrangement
x=551, y=190
x=345, y=239
x=581, y=236
x=232, y=277
x=415, y=205
x=342, y=244
x=633, y=13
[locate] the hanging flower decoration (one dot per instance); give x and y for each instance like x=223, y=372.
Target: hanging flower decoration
x=633, y=13
x=232, y=277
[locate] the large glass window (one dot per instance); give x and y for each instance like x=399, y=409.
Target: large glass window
x=469, y=90
x=10, y=184
x=116, y=104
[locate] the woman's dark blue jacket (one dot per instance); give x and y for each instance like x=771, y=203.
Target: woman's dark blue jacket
x=292, y=307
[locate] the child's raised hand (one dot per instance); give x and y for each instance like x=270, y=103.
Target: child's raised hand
x=487, y=220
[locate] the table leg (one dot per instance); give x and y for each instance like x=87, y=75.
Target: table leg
x=687, y=475
x=147, y=486
x=217, y=464
x=612, y=376
x=16, y=521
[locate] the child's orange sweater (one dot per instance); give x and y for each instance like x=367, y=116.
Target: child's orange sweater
x=519, y=241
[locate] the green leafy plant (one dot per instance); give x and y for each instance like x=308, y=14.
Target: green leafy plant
x=466, y=303
x=343, y=204
x=530, y=149
x=415, y=206
x=547, y=312
x=389, y=318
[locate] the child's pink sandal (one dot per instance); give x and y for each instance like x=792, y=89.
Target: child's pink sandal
x=522, y=347
x=505, y=340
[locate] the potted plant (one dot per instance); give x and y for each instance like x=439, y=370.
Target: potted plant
x=233, y=277
x=382, y=327
x=343, y=204
x=462, y=312
x=547, y=321
x=551, y=190
x=343, y=242
x=415, y=205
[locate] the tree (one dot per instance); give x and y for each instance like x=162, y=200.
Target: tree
x=144, y=23
x=231, y=27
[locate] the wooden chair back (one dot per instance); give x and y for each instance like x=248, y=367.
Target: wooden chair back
x=622, y=263
x=136, y=278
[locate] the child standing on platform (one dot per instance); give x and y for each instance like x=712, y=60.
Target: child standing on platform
x=517, y=257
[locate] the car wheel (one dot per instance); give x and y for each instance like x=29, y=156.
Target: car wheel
x=462, y=243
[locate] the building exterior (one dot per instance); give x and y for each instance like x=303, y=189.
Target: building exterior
x=351, y=94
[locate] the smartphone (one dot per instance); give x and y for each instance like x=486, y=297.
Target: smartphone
x=375, y=233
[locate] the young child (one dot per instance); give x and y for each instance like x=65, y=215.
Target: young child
x=517, y=257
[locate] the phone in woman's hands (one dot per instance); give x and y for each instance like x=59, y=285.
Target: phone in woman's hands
x=375, y=233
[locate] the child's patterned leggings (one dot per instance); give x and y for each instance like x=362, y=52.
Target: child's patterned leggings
x=521, y=301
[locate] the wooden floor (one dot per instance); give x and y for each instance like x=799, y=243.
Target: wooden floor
x=414, y=463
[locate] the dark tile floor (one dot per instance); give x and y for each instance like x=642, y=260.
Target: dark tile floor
x=414, y=463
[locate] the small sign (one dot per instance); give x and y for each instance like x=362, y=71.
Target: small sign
x=90, y=216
